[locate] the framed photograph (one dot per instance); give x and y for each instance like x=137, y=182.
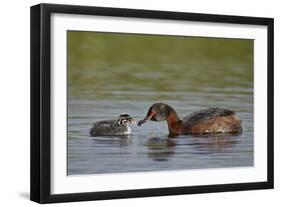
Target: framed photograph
x=132, y=103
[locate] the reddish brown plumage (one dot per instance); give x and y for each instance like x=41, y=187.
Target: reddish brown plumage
x=174, y=124
x=207, y=121
x=221, y=124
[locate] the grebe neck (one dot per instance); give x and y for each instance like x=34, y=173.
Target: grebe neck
x=174, y=123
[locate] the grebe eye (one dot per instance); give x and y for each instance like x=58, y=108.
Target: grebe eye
x=122, y=122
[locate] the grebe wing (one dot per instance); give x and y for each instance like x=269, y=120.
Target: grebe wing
x=207, y=114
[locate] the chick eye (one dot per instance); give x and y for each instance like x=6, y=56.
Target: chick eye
x=122, y=122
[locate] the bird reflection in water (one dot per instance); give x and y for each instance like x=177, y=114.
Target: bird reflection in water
x=114, y=141
x=163, y=148
x=160, y=149
x=218, y=143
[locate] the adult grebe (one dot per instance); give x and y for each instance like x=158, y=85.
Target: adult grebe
x=206, y=121
x=119, y=126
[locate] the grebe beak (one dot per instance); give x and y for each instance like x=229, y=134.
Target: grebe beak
x=141, y=122
x=148, y=117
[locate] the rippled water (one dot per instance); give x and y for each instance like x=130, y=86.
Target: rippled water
x=110, y=81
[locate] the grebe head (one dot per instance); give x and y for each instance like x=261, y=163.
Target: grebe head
x=125, y=119
x=157, y=112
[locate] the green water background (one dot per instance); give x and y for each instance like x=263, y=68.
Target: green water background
x=108, y=62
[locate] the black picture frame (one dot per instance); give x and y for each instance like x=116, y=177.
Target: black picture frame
x=40, y=184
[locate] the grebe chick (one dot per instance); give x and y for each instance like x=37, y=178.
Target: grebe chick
x=206, y=121
x=119, y=126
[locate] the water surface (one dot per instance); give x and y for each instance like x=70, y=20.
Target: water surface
x=109, y=74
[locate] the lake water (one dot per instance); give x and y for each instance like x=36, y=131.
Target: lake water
x=109, y=74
